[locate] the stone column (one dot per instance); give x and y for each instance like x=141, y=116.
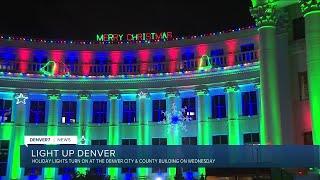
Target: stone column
x=83, y=118
x=172, y=96
x=311, y=11
x=19, y=117
x=113, y=136
x=144, y=116
x=202, y=118
x=52, y=130
x=270, y=122
x=233, y=115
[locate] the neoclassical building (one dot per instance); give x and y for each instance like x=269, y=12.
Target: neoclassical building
x=257, y=85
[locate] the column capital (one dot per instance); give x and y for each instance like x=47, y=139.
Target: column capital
x=202, y=90
x=54, y=95
x=143, y=93
x=308, y=6
x=231, y=88
x=84, y=95
x=264, y=15
x=114, y=94
x=172, y=92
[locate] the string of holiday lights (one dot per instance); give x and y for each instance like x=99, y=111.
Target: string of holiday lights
x=9, y=38
x=237, y=67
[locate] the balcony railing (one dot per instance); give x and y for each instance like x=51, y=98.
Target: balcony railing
x=130, y=69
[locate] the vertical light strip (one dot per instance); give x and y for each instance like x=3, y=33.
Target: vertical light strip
x=233, y=115
x=173, y=139
x=203, y=124
x=113, y=137
x=143, y=99
x=312, y=37
x=19, y=118
x=52, y=130
x=83, y=124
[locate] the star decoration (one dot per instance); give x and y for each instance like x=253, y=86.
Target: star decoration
x=21, y=99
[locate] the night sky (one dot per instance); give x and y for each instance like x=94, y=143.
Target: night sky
x=82, y=20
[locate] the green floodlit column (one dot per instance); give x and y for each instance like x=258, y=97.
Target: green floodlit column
x=203, y=124
x=52, y=130
x=233, y=115
x=270, y=123
x=311, y=11
x=19, y=117
x=113, y=136
x=84, y=108
x=173, y=138
x=143, y=99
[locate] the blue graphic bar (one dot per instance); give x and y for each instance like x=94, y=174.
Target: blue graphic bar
x=218, y=156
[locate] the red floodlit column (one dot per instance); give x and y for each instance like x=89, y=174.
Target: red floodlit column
x=144, y=56
x=24, y=57
x=173, y=54
x=231, y=47
x=115, y=57
x=57, y=57
x=86, y=60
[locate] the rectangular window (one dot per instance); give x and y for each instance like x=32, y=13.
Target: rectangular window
x=249, y=103
x=37, y=112
x=189, y=140
x=217, y=52
x=4, y=150
x=303, y=85
x=69, y=112
x=99, y=142
x=220, y=139
x=5, y=110
x=251, y=138
x=99, y=113
x=247, y=47
x=158, y=109
x=298, y=27
x=218, y=58
x=129, y=142
x=307, y=138
x=36, y=171
x=159, y=141
x=99, y=170
x=129, y=111
x=159, y=58
x=187, y=56
x=67, y=170
x=219, y=106
x=190, y=106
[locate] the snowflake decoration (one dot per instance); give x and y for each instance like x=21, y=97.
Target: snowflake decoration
x=176, y=119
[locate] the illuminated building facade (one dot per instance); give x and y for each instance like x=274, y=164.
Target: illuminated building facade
x=245, y=86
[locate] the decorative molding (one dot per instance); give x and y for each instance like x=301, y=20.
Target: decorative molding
x=114, y=94
x=143, y=93
x=308, y=6
x=264, y=15
x=202, y=90
x=172, y=92
x=84, y=95
x=231, y=87
x=54, y=95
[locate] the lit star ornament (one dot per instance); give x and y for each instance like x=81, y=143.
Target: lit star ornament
x=21, y=99
x=176, y=119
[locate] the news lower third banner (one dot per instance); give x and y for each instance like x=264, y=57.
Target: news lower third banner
x=219, y=156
